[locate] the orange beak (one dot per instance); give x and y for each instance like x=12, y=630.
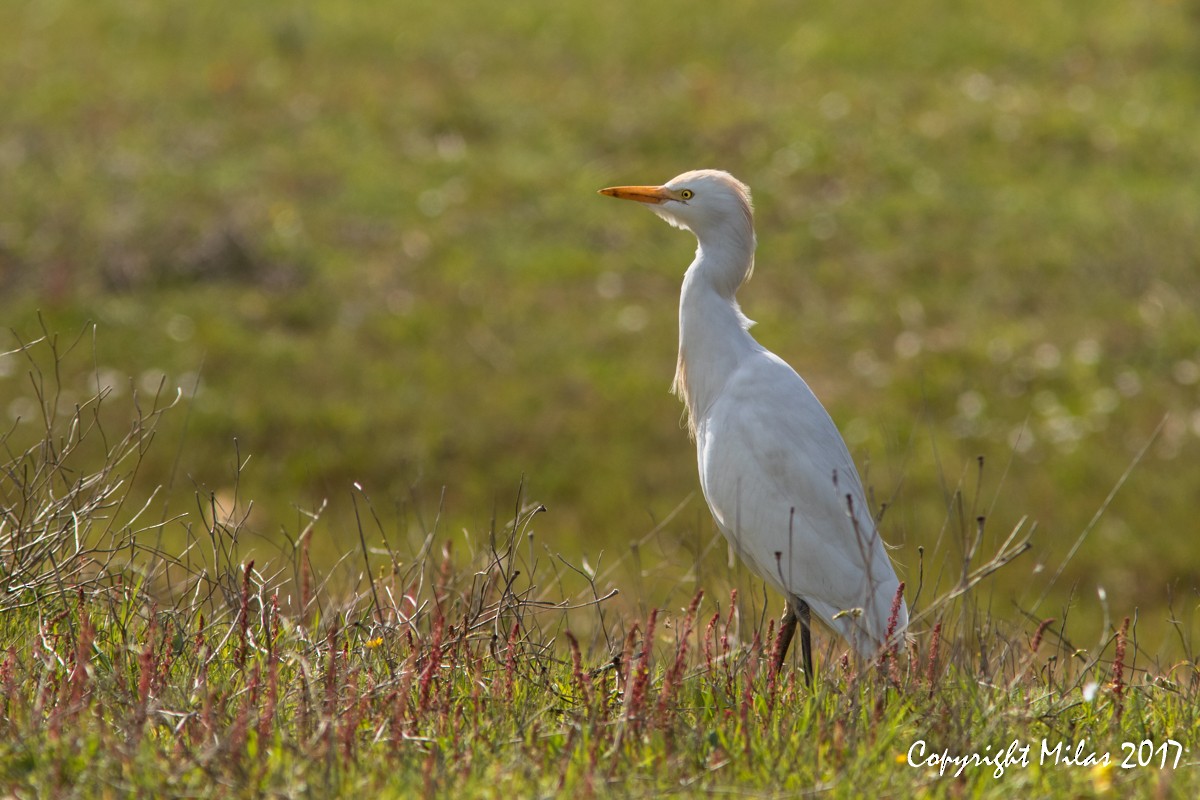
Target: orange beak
x=653, y=195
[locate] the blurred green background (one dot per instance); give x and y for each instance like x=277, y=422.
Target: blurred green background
x=363, y=239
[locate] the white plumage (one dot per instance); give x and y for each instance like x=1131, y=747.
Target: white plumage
x=773, y=467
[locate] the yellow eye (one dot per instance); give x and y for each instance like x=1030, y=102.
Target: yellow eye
x=687, y=194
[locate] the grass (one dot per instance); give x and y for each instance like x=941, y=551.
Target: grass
x=369, y=251
x=360, y=257
x=127, y=669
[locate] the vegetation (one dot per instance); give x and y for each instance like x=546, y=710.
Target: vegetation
x=348, y=270
x=127, y=669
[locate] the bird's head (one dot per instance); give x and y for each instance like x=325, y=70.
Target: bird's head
x=705, y=201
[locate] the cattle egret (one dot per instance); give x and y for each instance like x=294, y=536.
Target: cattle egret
x=773, y=467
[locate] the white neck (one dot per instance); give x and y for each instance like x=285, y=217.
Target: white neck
x=713, y=336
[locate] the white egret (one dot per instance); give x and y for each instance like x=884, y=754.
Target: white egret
x=773, y=467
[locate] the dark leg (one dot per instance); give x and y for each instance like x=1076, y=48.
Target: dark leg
x=805, y=616
x=797, y=610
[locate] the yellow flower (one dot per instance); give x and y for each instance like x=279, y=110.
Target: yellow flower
x=373, y=643
x=1101, y=776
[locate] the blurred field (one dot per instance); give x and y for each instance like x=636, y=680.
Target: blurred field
x=365, y=243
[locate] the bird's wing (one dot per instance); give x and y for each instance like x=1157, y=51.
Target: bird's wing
x=769, y=454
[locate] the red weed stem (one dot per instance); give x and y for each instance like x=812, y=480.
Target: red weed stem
x=198, y=639
x=443, y=583
x=729, y=621
x=8, y=679
x=935, y=641
x=454, y=651
x=305, y=580
x=78, y=680
x=642, y=677
x=893, y=643
x=244, y=617
x=165, y=659
x=266, y=720
x=1039, y=633
x=145, y=674
x=432, y=665
x=625, y=667
x=709, y=639
x=510, y=660
x=331, y=672
x=672, y=679
x=207, y=725
x=725, y=649
x=73, y=691
x=241, y=724
x=272, y=625
x=776, y=646
x=748, y=688
x=349, y=720
x=577, y=671
x=400, y=707
x=1119, y=672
